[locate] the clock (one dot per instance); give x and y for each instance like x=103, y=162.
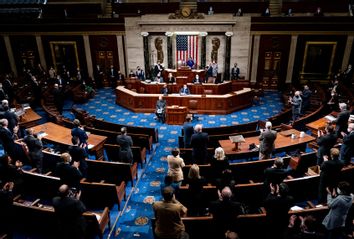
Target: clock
x=186, y=11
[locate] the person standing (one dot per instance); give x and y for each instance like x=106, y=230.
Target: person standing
x=339, y=201
x=342, y=120
x=235, y=72
x=175, y=165
x=347, y=148
x=160, y=111
x=79, y=155
x=296, y=103
x=267, y=138
x=69, y=213
x=125, y=143
x=58, y=98
x=168, y=214
x=35, y=147
x=199, y=144
x=140, y=73
x=325, y=141
x=79, y=132
x=190, y=62
x=68, y=174
x=188, y=131
x=306, y=96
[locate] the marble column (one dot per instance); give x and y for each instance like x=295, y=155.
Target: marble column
x=146, y=54
x=227, y=55
x=10, y=55
x=169, y=49
x=88, y=55
x=348, y=50
x=41, y=52
x=291, y=61
x=121, y=57
x=203, y=50
x=255, y=55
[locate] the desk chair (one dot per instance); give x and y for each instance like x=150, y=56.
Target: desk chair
x=192, y=108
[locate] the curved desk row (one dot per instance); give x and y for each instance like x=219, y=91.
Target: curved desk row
x=155, y=88
x=208, y=104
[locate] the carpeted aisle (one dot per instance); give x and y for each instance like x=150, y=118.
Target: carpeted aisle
x=134, y=221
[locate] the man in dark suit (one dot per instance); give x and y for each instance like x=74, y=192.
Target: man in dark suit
x=160, y=109
x=199, y=143
x=197, y=80
x=275, y=174
x=3, y=95
x=98, y=75
x=330, y=174
x=112, y=76
x=266, y=141
x=184, y=90
x=78, y=154
x=347, y=148
x=235, y=72
x=325, y=141
x=11, y=117
x=158, y=69
x=125, y=142
x=58, y=98
x=306, y=95
x=35, y=147
x=68, y=174
x=342, y=120
x=15, y=151
x=69, y=212
x=61, y=82
x=188, y=131
x=225, y=212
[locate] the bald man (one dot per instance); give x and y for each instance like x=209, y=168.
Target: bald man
x=69, y=211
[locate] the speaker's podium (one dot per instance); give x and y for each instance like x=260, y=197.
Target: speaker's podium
x=176, y=114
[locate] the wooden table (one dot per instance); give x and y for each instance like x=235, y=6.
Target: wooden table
x=282, y=143
x=29, y=119
x=176, y=114
x=319, y=124
x=60, y=135
x=208, y=104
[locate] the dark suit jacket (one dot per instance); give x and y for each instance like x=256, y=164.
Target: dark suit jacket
x=78, y=154
x=164, y=91
x=267, y=139
x=184, y=91
x=277, y=211
x=125, y=152
x=8, y=88
x=199, y=143
x=81, y=134
x=329, y=177
x=342, y=121
x=7, y=140
x=68, y=175
x=11, y=118
x=325, y=143
x=34, y=147
x=3, y=95
x=188, y=131
x=274, y=176
x=347, y=148
x=171, y=80
x=69, y=212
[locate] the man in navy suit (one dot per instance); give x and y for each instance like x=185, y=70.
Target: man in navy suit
x=184, y=90
x=79, y=132
x=188, y=131
x=347, y=148
x=199, y=143
x=342, y=120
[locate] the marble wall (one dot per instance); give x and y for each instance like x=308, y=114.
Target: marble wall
x=216, y=26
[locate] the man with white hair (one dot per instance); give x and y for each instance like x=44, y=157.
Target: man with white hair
x=199, y=144
x=347, y=148
x=266, y=141
x=342, y=120
x=296, y=103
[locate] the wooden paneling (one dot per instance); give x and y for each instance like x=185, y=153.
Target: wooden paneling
x=104, y=44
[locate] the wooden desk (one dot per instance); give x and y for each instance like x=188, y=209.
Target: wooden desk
x=155, y=88
x=184, y=73
x=319, y=124
x=29, y=119
x=61, y=135
x=176, y=114
x=210, y=104
x=281, y=143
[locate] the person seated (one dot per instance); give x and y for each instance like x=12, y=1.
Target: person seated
x=184, y=90
x=171, y=79
x=159, y=78
x=164, y=90
x=161, y=109
x=190, y=62
x=197, y=80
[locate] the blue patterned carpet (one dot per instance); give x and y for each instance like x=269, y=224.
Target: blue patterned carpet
x=133, y=220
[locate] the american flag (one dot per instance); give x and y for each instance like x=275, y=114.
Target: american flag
x=187, y=46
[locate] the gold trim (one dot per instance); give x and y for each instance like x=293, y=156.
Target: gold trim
x=68, y=43
x=296, y=33
x=308, y=43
